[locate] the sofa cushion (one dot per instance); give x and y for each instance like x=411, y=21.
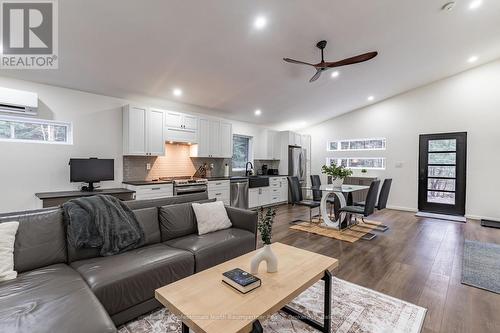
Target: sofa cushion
x=51, y=299
x=211, y=217
x=147, y=203
x=148, y=220
x=177, y=221
x=129, y=278
x=216, y=247
x=40, y=238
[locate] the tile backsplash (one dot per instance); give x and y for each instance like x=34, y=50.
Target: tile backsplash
x=175, y=163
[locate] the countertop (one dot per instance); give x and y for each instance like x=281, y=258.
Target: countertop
x=75, y=194
x=242, y=177
x=215, y=178
x=147, y=182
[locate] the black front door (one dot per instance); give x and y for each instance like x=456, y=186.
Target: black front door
x=442, y=172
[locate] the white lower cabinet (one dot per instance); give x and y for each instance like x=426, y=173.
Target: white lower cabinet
x=219, y=190
x=279, y=187
x=275, y=193
x=151, y=191
x=260, y=196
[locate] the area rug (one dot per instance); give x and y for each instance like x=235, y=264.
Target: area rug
x=349, y=235
x=355, y=309
x=481, y=265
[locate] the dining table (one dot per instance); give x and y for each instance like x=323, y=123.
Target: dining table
x=343, y=193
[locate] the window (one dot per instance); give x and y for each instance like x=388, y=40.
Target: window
x=241, y=152
x=358, y=162
x=17, y=129
x=357, y=144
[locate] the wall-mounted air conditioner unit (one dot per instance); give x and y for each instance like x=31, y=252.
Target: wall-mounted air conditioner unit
x=18, y=101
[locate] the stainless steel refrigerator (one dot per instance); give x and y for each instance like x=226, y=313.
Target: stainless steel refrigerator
x=297, y=166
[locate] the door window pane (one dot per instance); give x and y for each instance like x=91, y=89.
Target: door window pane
x=441, y=197
x=441, y=184
x=442, y=171
x=443, y=145
x=442, y=158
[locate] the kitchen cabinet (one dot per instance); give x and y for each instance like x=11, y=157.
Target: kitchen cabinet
x=143, y=131
x=279, y=189
x=215, y=139
x=260, y=196
x=293, y=138
x=180, y=127
x=151, y=191
x=267, y=145
x=219, y=190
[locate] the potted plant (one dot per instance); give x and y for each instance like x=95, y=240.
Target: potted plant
x=364, y=171
x=265, y=227
x=338, y=173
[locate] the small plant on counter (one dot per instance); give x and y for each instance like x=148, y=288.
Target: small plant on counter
x=364, y=170
x=265, y=224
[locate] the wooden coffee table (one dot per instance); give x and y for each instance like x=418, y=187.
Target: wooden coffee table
x=207, y=305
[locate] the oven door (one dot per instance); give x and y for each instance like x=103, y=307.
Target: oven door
x=182, y=190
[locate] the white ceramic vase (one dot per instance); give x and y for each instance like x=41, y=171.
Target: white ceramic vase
x=265, y=254
x=338, y=182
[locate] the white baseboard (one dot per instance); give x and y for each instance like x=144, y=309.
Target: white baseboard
x=442, y=216
x=405, y=209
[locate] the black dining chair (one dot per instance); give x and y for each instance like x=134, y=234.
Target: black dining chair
x=366, y=210
x=382, y=201
x=297, y=198
x=318, y=194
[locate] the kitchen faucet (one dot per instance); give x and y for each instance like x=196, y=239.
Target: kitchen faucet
x=248, y=172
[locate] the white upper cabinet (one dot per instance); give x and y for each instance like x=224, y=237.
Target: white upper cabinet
x=180, y=127
x=156, y=144
x=143, y=131
x=226, y=140
x=267, y=145
x=215, y=139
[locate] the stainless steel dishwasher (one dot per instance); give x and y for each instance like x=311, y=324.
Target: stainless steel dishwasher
x=239, y=193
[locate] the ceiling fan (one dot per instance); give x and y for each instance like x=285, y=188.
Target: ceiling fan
x=325, y=65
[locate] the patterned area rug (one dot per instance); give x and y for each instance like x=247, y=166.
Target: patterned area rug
x=481, y=265
x=350, y=235
x=354, y=309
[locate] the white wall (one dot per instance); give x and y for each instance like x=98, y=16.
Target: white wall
x=467, y=102
x=27, y=168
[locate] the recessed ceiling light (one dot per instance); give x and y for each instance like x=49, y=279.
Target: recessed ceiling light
x=472, y=59
x=475, y=4
x=335, y=74
x=258, y=112
x=177, y=92
x=260, y=22
x=371, y=98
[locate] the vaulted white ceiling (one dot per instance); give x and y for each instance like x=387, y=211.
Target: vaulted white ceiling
x=211, y=50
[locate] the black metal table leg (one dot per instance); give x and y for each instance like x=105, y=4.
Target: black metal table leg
x=327, y=310
x=185, y=329
x=257, y=327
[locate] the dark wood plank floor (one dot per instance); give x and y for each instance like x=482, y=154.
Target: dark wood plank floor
x=417, y=260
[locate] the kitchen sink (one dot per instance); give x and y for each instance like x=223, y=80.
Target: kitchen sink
x=256, y=181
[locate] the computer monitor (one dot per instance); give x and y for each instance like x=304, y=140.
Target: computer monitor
x=91, y=170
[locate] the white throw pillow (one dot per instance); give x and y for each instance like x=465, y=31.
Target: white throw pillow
x=211, y=216
x=7, y=238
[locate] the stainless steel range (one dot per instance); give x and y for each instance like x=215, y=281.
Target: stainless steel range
x=190, y=185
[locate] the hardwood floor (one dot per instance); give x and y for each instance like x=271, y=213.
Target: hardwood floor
x=417, y=260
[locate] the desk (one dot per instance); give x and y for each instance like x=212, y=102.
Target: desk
x=54, y=199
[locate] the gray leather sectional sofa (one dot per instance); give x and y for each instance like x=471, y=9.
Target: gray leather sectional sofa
x=63, y=289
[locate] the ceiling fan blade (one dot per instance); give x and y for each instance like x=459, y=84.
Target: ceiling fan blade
x=293, y=61
x=352, y=60
x=316, y=76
